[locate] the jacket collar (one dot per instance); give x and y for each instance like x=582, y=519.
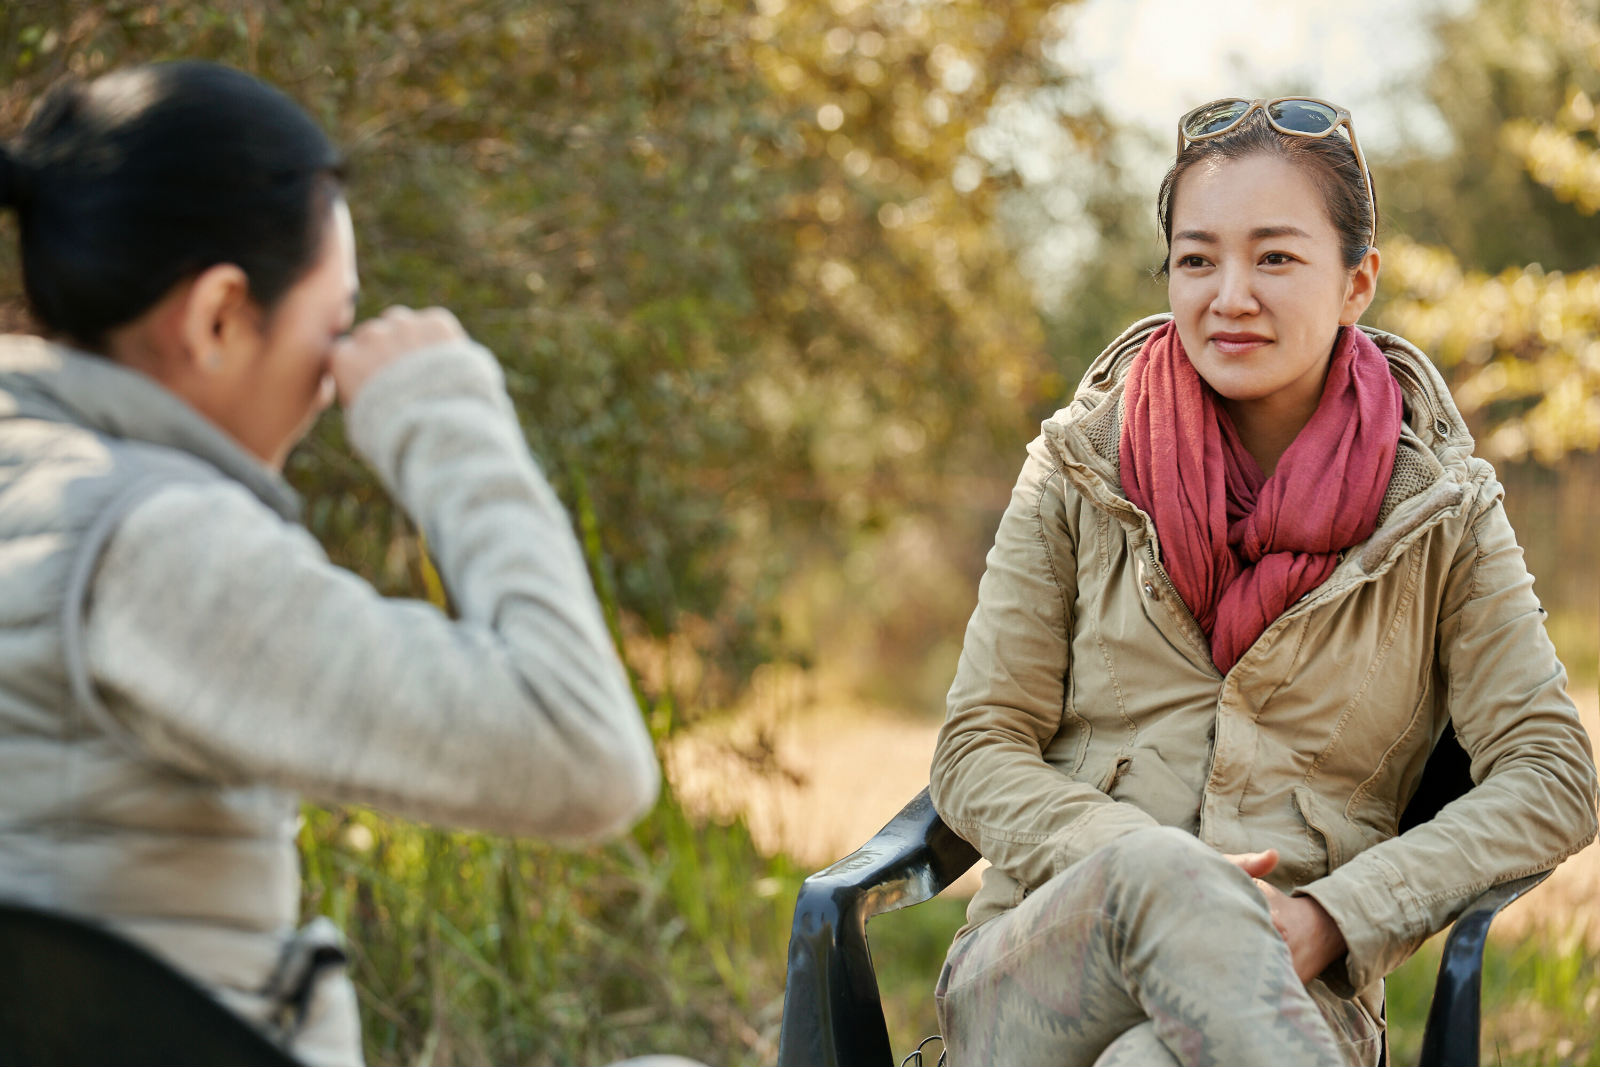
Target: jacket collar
x=54, y=383
x=1429, y=468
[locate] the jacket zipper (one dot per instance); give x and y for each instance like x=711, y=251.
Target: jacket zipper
x=1419, y=393
x=1182, y=609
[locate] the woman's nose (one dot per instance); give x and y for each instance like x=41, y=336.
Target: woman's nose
x=1235, y=294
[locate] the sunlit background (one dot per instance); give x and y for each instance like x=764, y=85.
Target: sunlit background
x=783, y=288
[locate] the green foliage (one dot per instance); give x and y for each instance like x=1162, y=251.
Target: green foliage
x=1508, y=309
x=470, y=949
x=908, y=950
x=1540, y=992
x=740, y=299
x=747, y=317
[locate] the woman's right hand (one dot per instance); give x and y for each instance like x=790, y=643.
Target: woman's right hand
x=1314, y=939
x=378, y=342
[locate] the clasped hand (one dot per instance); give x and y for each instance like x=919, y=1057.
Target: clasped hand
x=378, y=342
x=1314, y=939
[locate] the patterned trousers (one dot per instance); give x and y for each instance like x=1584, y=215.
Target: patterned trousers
x=1152, y=951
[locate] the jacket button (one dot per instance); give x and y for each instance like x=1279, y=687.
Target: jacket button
x=1149, y=589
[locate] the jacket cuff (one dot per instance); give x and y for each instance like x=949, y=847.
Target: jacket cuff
x=461, y=369
x=1375, y=911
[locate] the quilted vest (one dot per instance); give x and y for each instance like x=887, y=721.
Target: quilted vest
x=198, y=869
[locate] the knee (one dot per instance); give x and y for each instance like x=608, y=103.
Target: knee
x=1168, y=866
x=1158, y=853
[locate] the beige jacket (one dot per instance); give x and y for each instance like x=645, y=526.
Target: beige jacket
x=1086, y=704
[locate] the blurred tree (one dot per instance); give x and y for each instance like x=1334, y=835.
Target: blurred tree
x=1495, y=278
x=741, y=264
x=746, y=268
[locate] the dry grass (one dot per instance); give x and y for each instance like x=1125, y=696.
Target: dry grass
x=844, y=769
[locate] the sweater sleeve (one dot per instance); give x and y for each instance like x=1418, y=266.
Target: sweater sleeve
x=989, y=779
x=225, y=641
x=1533, y=803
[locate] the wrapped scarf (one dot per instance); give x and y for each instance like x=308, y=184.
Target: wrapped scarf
x=1239, y=546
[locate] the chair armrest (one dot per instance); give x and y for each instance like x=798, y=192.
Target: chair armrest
x=1454, y=1018
x=831, y=1010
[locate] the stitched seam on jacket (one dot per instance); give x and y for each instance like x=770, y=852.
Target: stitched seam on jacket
x=1100, y=641
x=1416, y=923
x=1407, y=598
x=1472, y=592
x=1009, y=837
x=1472, y=889
x=1283, y=679
x=1380, y=655
x=1363, y=790
x=1522, y=872
x=1066, y=609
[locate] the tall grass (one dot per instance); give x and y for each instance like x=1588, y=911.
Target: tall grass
x=472, y=949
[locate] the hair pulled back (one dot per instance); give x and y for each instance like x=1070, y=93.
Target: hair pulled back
x=128, y=184
x=1329, y=161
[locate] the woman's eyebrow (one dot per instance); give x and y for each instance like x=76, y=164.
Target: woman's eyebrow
x=1258, y=234
x=1277, y=231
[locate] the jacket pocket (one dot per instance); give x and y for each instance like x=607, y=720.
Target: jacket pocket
x=1342, y=840
x=1113, y=774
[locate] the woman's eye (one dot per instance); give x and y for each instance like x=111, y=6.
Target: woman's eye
x=1277, y=259
x=1191, y=261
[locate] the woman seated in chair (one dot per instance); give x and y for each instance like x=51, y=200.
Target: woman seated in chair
x=1247, y=577
x=179, y=661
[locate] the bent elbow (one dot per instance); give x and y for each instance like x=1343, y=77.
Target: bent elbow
x=636, y=795
x=620, y=788
x=1587, y=823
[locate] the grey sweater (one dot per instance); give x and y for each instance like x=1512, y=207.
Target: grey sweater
x=229, y=645
x=179, y=661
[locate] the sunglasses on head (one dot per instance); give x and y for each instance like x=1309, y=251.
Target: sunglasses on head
x=1294, y=116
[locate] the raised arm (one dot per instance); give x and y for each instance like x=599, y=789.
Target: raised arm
x=223, y=640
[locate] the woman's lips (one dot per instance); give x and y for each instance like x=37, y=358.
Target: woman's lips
x=1233, y=344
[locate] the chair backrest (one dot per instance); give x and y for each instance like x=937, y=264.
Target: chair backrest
x=1447, y=775
x=74, y=992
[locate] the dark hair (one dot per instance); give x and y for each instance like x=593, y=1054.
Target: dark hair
x=1330, y=162
x=128, y=184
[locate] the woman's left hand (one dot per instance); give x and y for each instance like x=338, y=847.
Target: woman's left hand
x=1314, y=939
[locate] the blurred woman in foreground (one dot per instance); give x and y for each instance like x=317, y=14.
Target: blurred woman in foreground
x=179, y=662
x=1247, y=578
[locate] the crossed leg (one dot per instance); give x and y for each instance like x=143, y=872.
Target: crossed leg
x=1152, y=946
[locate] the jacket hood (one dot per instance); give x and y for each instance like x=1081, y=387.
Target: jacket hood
x=53, y=383
x=1431, y=462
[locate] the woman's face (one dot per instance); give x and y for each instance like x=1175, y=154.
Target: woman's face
x=285, y=385
x=1256, y=283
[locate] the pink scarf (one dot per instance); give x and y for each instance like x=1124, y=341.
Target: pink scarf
x=1239, y=546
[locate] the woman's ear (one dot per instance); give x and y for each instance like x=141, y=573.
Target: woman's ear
x=219, y=325
x=1361, y=287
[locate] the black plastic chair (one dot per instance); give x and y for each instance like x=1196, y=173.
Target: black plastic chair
x=74, y=992
x=832, y=1014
